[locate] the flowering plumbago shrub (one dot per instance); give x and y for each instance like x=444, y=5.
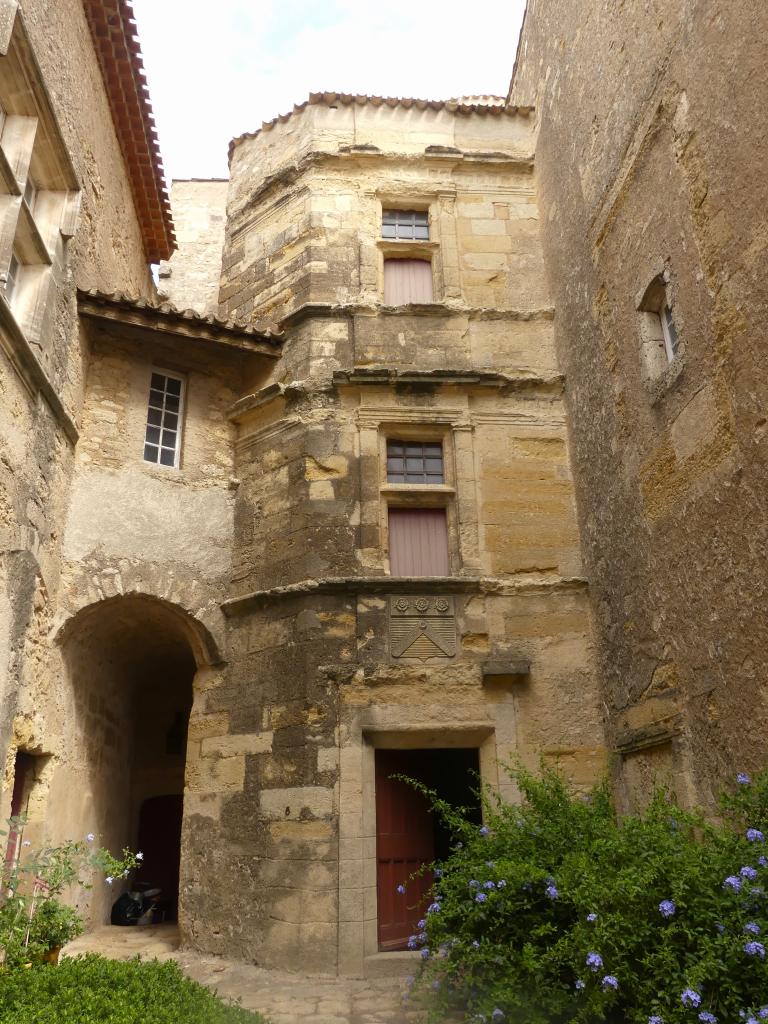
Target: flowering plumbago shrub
x=557, y=910
x=32, y=918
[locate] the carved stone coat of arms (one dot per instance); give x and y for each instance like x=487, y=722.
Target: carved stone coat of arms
x=422, y=627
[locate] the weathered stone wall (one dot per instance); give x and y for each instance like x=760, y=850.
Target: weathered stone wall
x=281, y=792
x=37, y=438
x=304, y=208
x=651, y=128
x=124, y=510
x=190, y=278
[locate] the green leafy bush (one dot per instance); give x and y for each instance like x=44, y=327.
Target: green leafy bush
x=557, y=910
x=32, y=920
x=92, y=990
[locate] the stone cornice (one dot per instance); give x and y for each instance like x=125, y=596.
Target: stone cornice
x=528, y=583
x=330, y=310
x=486, y=105
x=506, y=383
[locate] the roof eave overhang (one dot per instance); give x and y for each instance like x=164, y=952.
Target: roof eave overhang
x=135, y=318
x=113, y=30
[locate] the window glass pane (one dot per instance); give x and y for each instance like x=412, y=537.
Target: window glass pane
x=162, y=431
x=671, y=330
x=405, y=224
x=421, y=462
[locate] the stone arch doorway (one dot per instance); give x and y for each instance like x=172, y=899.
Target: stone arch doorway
x=130, y=663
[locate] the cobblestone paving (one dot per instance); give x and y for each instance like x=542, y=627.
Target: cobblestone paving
x=283, y=997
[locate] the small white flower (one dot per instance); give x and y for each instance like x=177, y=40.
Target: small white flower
x=125, y=873
x=139, y=855
x=90, y=837
x=26, y=843
x=109, y=879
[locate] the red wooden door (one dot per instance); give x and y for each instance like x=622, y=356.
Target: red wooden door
x=404, y=841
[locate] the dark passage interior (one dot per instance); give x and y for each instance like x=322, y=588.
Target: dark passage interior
x=409, y=834
x=131, y=669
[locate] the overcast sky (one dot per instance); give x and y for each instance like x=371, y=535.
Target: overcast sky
x=220, y=68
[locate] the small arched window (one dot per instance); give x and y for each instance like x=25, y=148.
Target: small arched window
x=660, y=339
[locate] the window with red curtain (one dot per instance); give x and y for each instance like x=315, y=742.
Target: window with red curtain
x=407, y=281
x=418, y=542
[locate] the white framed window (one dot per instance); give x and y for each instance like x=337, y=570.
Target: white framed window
x=405, y=225
x=661, y=346
x=669, y=331
x=30, y=194
x=12, y=276
x=162, y=439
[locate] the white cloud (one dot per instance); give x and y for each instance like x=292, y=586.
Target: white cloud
x=218, y=70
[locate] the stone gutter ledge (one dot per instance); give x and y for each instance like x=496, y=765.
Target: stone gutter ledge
x=519, y=380
x=522, y=380
x=447, y=308
x=525, y=583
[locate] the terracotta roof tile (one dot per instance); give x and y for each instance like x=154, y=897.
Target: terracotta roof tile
x=166, y=310
x=113, y=29
x=493, y=105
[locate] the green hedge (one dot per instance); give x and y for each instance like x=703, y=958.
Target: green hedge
x=558, y=910
x=92, y=990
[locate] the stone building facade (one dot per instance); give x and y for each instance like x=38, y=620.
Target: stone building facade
x=76, y=212
x=653, y=208
x=301, y=521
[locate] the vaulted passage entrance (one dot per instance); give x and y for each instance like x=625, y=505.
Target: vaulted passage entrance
x=131, y=665
x=409, y=835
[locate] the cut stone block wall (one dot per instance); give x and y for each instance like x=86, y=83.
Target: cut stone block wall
x=651, y=172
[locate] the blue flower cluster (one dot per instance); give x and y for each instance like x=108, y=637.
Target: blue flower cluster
x=691, y=998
